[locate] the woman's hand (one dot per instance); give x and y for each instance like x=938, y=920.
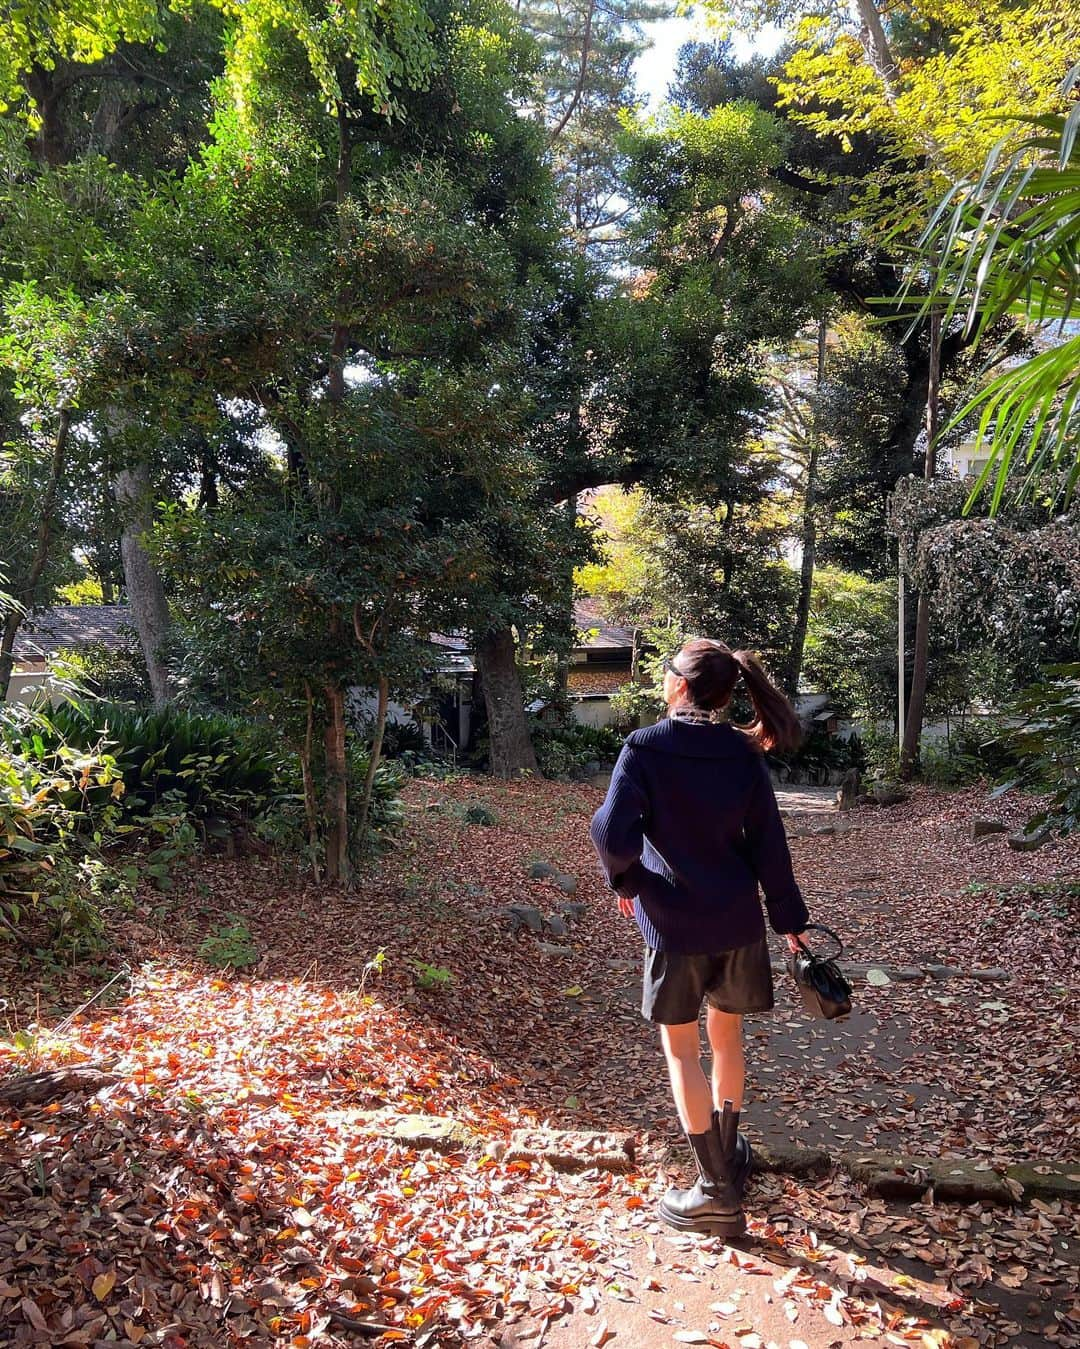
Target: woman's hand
x=626, y=906
x=794, y=940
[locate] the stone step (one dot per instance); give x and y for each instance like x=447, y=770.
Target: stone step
x=886, y=1174
x=909, y=974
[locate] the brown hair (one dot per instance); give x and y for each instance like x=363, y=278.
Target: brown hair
x=711, y=668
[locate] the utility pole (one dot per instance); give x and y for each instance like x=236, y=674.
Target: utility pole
x=900, y=662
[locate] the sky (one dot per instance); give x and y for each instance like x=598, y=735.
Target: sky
x=655, y=68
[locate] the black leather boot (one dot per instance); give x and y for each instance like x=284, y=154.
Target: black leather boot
x=711, y=1204
x=738, y=1154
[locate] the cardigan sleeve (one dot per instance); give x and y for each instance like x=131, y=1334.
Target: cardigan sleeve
x=618, y=827
x=771, y=857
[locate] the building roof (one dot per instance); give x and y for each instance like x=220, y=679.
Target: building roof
x=585, y=682
x=48, y=631
x=600, y=634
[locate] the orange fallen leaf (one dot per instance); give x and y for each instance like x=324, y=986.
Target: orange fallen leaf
x=103, y=1284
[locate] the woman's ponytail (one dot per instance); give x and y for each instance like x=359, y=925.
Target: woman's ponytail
x=777, y=725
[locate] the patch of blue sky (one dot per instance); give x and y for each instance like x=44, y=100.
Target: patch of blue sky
x=655, y=68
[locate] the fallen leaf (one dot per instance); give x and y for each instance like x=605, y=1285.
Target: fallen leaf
x=103, y=1284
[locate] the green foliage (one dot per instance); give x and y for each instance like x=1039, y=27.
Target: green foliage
x=1047, y=746
x=633, y=704
x=214, y=767
x=821, y=756
x=57, y=803
x=1004, y=246
x=882, y=754
x=231, y=946
x=563, y=751
x=1010, y=582
x=851, y=641
x=476, y=812
x=387, y=815
x=979, y=749
x=429, y=977
x=114, y=674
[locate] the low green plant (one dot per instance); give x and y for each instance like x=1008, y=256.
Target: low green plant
x=561, y=751
x=115, y=673
x=882, y=754
x=821, y=754
x=231, y=946
x=476, y=812
x=428, y=977
x=1046, y=744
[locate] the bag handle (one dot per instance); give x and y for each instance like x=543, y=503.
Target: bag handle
x=820, y=927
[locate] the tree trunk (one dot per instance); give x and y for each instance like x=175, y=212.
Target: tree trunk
x=875, y=44
x=376, y=754
x=809, y=529
x=916, y=708
x=27, y=593
x=311, y=805
x=145, y=592
x=337, y=787
x=511, y=749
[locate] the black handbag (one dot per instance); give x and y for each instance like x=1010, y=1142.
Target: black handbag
x=824, y=990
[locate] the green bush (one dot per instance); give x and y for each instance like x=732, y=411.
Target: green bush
x=475, y=812
x=117, y=674
x=429, y=977
x=231, y=946
x=562, y=751
x=1046, y=745
x=58, y=805
x=387, y=813
x=821, y=754
x=216, y=767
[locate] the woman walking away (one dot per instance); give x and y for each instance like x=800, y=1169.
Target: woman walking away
x=689, y=829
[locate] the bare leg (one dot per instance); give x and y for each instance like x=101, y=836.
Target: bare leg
x=689, y=1085
x=728, y=1063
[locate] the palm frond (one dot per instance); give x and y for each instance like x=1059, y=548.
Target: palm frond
x=1008, y=246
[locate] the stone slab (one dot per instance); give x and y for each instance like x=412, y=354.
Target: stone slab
x=572, y=1150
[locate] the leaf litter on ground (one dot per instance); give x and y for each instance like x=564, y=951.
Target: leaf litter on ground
x=225, y=1191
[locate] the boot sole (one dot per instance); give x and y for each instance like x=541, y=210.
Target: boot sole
x=733, y=1226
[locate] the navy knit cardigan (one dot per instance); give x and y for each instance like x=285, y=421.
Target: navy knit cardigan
x=689, y=827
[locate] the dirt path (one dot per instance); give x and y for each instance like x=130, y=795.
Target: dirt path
x=223, y=1192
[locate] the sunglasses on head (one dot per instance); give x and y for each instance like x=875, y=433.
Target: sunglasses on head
x=668, y=664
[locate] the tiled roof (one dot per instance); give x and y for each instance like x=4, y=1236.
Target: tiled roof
x=71, y=625
x=584, y=682
x=601, y=634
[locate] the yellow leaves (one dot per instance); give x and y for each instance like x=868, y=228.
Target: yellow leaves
x=103, y=1285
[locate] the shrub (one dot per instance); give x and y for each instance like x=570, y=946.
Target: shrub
x=428, y=976
x=821, y=754
x=475, y=812
x=57, y=806
x=387, y=813
x=632, y=703
x=217, y=767
x=563, y=750
x=231, y=946
x=1047, y=747
x=117, y=674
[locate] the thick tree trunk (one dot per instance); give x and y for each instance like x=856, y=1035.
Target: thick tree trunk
x=376, y=755
x=145, y=592
x=337, y=787
x=27, y=593
x=916, y=707
x=512, y=752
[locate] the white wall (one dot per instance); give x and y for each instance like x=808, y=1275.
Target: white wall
x=595, y=712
